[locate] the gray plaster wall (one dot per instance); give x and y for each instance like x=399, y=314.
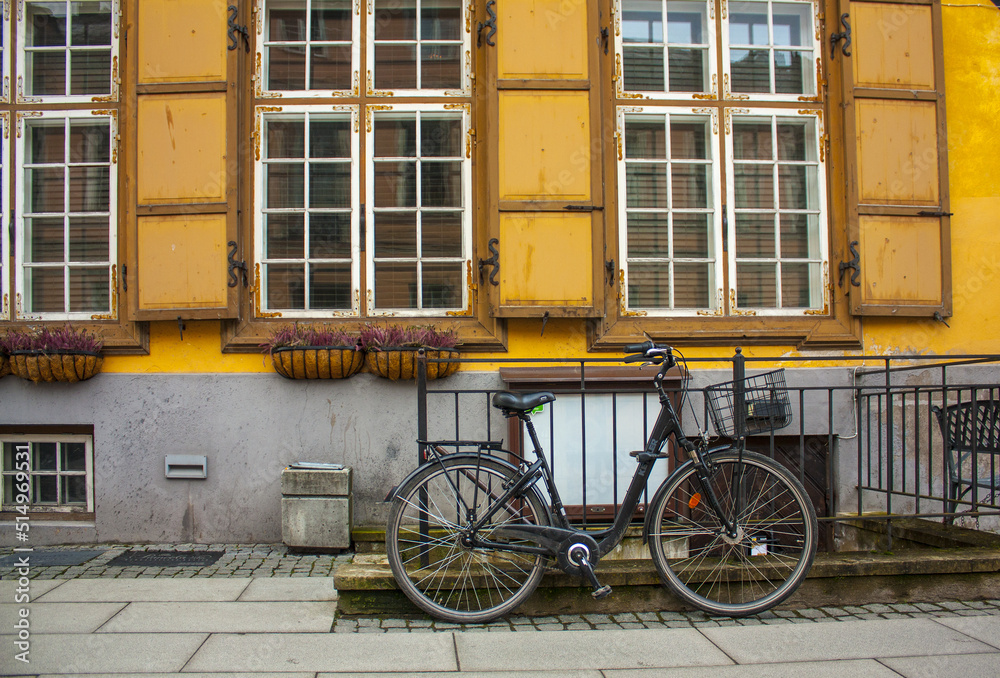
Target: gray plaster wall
x=250, y=427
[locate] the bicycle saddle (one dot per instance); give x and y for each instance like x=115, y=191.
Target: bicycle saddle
x=521, y=402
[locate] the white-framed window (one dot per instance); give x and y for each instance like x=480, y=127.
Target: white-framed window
x=67, y=50
x=307, y=48
x=363, y=206
x=418, y=46
x=669, y=208
x=308, y=210
x=66, y=214
x=56, y=470
x=5, y=292
x=419, y=209
x=722, y=207
x=777, y=210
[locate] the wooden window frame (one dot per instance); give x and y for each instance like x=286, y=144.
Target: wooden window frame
x=477, y=328
x=832, y=327
x=57, y=509
x=120, y=334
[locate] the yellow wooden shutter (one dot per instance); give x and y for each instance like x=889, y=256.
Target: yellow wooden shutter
x=897, y=168
x=183, y=170
x=545, y=197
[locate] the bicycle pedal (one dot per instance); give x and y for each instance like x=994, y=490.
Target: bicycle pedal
x=601, y=592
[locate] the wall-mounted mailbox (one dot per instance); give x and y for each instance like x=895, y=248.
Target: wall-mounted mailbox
x=186, y=466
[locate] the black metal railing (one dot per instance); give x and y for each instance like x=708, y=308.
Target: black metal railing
x=864, y=438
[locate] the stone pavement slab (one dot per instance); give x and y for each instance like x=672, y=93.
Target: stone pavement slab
x=859, y=668
x=251, y=617
x=289, y=588
x=610, y=649
x=126, y=590
x=9, y=588
x=499, y=673
x=76, y=654
x=948, y=666
x=58, y=617
x=301, y=674
x=844, y=640
x=986, y=629
x=259, y=652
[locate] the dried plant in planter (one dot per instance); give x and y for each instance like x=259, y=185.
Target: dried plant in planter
x=390, y=350
x=63, y=354
x=308, y=352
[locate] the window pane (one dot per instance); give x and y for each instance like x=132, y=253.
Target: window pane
x=642, y=21
x=689, y=140
x=8, y=458
x=395, y=20
x=287, y=22
x=285, y=286
x=790, y=73
x=643, y=69
x=44, y=240
x=89, y=189
x=690, y=186
x=45, y=290
x=442, y=286
x=395, y=184
x=286, y=68
x=330, y=184
x=441, y=184
x=46, y=143
x=691, y=235
x=795, y=287
x=649, y=285
x=88, y=142
x=330, y=286
x=752, y=141
x=440, y=137
x=46, y=73
x=691, y=285
x=792, y=24
x=751, y=71
x=799, y=233
x=648, y=235
x=331, y=20
x=45, y=189
x=441, y=20
x=395, y=138
x=646, y=185
x=45, y=490
x=74, y=457
x=284, y=236
x=396, y=285
x=646, y=140
x=91, y=23
x=747, y=27
x=285, y=138
x=90, y=72
x=797, y=187
x=441, y=66
x=754, y=186
x=74, y=490
x=756, y=285
x=285, y=185
x=687, y=69
x=441, y=234
x=395, y=234
x=44, y=456
x=330, y=67
x=395, y=66
x=330, y=236
x=88, y=239
x=754, y=236
x=89, y=290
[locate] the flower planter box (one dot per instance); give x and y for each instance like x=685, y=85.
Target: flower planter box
x=317, y=362
x=401, y=363
x=66, y=366
x=4, y=366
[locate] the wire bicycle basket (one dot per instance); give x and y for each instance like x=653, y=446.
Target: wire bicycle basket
x=757, y=404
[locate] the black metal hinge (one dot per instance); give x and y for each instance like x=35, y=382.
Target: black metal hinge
x=125, y=278
x=493, y=261
x=609, y=272
x=235, y=28
x=490, y=23
x=603, y=39
x=844, y=35
x=236, y=266
x=854, y=265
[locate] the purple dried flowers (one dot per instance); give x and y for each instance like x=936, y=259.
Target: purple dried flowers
x=64, y=339
x=308, y=335
x=378, y=337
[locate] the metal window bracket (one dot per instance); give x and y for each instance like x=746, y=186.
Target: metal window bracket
x=844, y=35
x=493, y=261
x=235, y=28
x=236, y=266
x=854, y=265
x=490, y=23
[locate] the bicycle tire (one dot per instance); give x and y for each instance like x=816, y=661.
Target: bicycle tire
x=454, y=582
x=758, y=569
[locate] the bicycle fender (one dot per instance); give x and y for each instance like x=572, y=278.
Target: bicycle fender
x=648, y=521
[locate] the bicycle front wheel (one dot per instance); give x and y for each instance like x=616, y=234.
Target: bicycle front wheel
x=426, y=540
x=713, y=570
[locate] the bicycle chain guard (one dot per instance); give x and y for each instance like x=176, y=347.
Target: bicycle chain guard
x=562, y=556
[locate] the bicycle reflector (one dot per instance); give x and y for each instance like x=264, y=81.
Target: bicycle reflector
x=694, y=500
x=537, y=410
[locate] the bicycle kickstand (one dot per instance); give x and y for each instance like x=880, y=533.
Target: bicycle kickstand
x=579, y=557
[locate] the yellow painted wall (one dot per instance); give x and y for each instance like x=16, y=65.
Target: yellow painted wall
x=972, y=86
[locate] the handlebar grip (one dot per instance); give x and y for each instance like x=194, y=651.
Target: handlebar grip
x=637, y=358
x=639, y=348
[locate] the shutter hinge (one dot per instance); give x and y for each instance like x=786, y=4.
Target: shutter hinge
x=125, y=278
x=854, y=264
x=491, y=24
x=609, y=272
x=603, y=38
x=235, y=28
x=844, y=35
x=493, y=261
x=236, y=266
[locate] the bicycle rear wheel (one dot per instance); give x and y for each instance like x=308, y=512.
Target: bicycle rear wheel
x=424, y=540
x=733, y=576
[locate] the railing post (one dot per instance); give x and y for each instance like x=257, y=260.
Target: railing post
x=421, y=404
x=739, y=394
x=890, y=441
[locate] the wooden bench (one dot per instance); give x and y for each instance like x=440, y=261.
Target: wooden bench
x=971, y=433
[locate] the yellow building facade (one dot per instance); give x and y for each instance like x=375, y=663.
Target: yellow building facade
x=548, y=178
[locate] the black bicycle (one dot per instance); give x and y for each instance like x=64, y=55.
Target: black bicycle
x=731, y=532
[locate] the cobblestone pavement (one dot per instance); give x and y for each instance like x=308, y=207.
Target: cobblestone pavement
x=275, y=560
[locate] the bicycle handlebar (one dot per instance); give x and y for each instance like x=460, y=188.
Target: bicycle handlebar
x=649, y=351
